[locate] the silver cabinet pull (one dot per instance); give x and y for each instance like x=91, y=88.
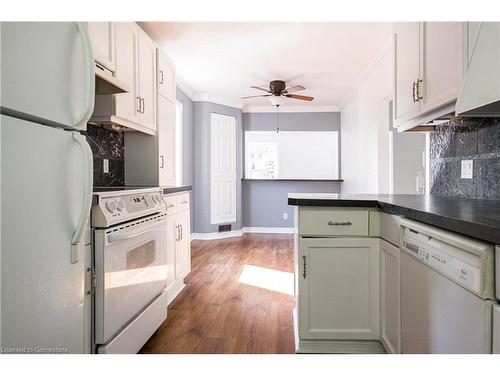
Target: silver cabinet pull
x=304, y=272
x=139, y=108
x=414, y=90
x=419, y=97
x=143, y=105
x=161, y=75
x=339, y=223
x=162, y=161
x=182, y=233
x=93, y=280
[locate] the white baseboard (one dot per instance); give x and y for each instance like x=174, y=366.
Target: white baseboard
x=215, y=235
x=267, y=230
x=237, y=233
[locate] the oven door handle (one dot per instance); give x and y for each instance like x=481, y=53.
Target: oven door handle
x=115, y=237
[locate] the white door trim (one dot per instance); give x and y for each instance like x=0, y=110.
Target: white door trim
x=222, y=169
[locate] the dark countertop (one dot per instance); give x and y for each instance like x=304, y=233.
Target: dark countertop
x=176, y=189
x=473, y=217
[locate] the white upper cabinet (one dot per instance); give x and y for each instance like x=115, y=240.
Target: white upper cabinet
x=102, y=37
x=428, y=70
x=166, y=142
x=147, y=77
x=442, y=63
x=407, y=42
x=165, y=76
x=127, y=104
x=135, y=66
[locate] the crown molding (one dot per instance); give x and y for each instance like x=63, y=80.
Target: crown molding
x=184, y=86
x=204, y=97
x=386, y=48
x=289, y=109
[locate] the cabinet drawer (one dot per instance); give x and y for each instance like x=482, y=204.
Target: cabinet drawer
x=333, y=222
x=183, y=202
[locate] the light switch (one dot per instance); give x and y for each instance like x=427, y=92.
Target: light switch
x=467, y=167
x=105, y=165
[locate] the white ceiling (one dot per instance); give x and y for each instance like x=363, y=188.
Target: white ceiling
x=222, y=60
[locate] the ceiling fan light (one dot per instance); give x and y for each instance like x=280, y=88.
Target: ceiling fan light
x=277, y=100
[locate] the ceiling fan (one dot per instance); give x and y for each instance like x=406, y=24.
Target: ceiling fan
x=278, y=89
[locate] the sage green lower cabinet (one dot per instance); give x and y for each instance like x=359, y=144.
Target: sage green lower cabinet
x=338, y=296
x=390, y=297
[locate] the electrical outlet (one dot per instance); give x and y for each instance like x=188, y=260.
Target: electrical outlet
x=105, y=165
x=467, y=167
x=285, y=216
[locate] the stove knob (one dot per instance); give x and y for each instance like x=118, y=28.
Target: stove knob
x=111, y=206
x=120, y=205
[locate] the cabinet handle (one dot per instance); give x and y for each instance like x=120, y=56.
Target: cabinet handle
x=182, y=233
x=162, y=161
x=419, y=97
x=161, y=74
x=143, y=105
x=413, y=90
x=339, y=223
x=304, y=272
x=139, y=108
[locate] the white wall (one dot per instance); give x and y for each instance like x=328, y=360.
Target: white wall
x=365, y=146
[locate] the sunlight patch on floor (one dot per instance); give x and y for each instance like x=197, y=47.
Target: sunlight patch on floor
x=267, y=278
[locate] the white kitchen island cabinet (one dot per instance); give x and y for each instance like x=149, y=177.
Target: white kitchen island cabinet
x=338, y=288
x=337, y=280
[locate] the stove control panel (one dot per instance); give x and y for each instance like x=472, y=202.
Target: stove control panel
x=120, y=206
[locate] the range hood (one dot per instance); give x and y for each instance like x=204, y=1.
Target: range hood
x=106, y=83
x=480, y=93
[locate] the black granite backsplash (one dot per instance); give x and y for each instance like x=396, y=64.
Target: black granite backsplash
x=477, y=139
x=107, y=144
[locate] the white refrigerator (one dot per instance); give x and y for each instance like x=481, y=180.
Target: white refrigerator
x=47, y=96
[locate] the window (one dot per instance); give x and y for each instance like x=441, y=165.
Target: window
x=178, y=142
x=262, y=160
x=307, y=155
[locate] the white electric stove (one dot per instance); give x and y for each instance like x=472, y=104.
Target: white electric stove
x=130, y=262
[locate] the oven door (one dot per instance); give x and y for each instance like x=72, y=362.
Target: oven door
x=131, y=270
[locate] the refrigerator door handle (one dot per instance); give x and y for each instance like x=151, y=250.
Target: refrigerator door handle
x=90, y=73
x=87, y=195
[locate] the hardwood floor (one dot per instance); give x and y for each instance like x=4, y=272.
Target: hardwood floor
x=216, y=313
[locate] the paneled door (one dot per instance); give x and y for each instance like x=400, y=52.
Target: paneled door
x=222, y=169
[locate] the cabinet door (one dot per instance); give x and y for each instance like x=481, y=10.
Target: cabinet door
x=166, y=142
x=127, y=104
x=407, y=47
x=390, y=297
x=165, y=76
x=183, y=254
x=472, y=32
x=338, y=288
x=442, y=63
x=172, y=237
x=102, y=37
x=147, y=77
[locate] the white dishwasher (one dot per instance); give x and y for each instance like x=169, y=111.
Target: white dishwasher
x=447, y=291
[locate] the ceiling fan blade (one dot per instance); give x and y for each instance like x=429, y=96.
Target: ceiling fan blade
x=256, y=96
x=300, y=97
x=294, y=89
x=260, y=88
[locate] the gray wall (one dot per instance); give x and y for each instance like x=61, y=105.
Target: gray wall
x=264, y=202
x=187, y=145
x=201, y=186
x=407, y=151
x=473, y=138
